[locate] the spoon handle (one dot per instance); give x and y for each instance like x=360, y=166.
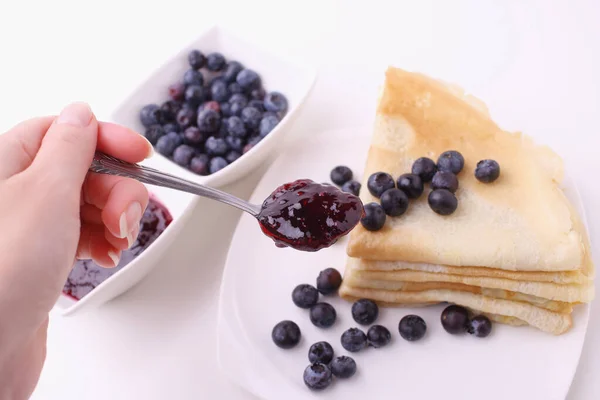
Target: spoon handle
x=105, y=164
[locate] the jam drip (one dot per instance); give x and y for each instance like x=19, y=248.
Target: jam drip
x=309, y=216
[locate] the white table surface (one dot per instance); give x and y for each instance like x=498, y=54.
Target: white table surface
x=535, y=64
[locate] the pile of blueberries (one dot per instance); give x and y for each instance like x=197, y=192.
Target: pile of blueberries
x=323, y=366
x=216, y=113
x=394, y=196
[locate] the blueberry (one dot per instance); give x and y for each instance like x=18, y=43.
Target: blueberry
x=442, y=201
x=378, y=336
x=340, y=175
x=374, y=218
x=343, y=367
x=425, y=168
x=258, y=104
x=232, y=156
x=223, y=131
x=276, y=102
x=452, y=161
x=411, y=184
x=251, y=118
x=267, y=124
x=186, y=117
x=183, y=155
x=394, y=202
x=236, y=108
x=320, y=352
x=235, y=127
x=150, y=115
x=209, y=121
x=169, y=110
x=351, y=187
x=235, y=88
x=379, y=182
x=412, y=327
x=196, y=59
x=199, y=164
x=365, y=311
x=193, y=77
x=210, y=105
x=235, y=143
x=258, y=94
x=215, y=62
x=194, y=95
x=216, y=146
x=286, y=334
x=354, y=340
x=173, y=127
x=480, y=326
x=322, y=315
x=218, y=91
x=154, y=133
x=233, y=68
x=253, y=141
x=239, y=98
x=217, y=164
x=305, y=295
x=166, y=145
x=248, y=79
x=445, y=180
x=317, y=376
x=225, y=109
x=176, y=91
x=487, y=171
x=192, y=135
x=329, y=281
x=455, y=319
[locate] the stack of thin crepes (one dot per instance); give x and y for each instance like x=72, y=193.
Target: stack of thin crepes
x=515, y=250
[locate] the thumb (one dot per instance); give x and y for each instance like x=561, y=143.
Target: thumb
x=69, y=145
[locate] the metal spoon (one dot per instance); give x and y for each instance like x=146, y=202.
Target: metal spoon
x=105, y=164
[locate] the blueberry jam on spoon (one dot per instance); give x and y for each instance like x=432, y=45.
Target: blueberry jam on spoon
x=309, y=216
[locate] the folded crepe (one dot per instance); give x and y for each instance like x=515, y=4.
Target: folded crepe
x=521, y=222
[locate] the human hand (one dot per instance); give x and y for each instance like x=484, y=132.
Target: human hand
x=53, y=211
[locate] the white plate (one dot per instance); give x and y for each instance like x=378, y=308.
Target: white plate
x=516, y=363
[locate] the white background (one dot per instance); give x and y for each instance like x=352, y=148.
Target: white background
x=535, y=63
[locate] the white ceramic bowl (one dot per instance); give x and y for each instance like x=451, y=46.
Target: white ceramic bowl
x=287, y=76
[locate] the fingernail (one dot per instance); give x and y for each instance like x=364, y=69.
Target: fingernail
x=133, y=236
x=114, y=257
x=76, y=114
x=129, y=219
x=150, y=149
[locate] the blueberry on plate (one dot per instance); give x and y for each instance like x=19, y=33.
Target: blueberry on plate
x=412, y=327
x=425, y=168
x=267, y=124
x=235, y=143
x=235, y=88
x=340, y=175
x=172, y=127
x=169, y=110
x=452, y=161
x=167, y=144
x=194, y=95
x=225, y=109
x=258, y=104
x=239, y=98
x=192, y=135
x=329, y=281
x=176, y=91
x=487, y=171
x=305, y=295
x=411, y=185
x=215, y=62
x=480, y=326
x=455, y=319
x=374, y=218
x=150, y=115
x=354, y=340
x=276, y=102
x=442, y=201
x=394, y=202
x=343, y=367
x=378, y=336
x=323, y=315
x=154, y=133
x=193, y=77
x=379, y=182
x=320, y=352
x=199, y=164
x=196, y=59
x=248, y=79
x=216, y=146
x=352, y=187
x=258, y=94
x=216, y=164
x=186, y=117
x=286, y=334
x=445, y=180
x=253, y=141
x=251, y=118
x=210, y=105
x=236, y=127
x=236, y=108
x=365, y=311
x=232, y=156
x=209, y=121
x=183, y=154
x=219, y=91
x=317, y=376
x=231, y=71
